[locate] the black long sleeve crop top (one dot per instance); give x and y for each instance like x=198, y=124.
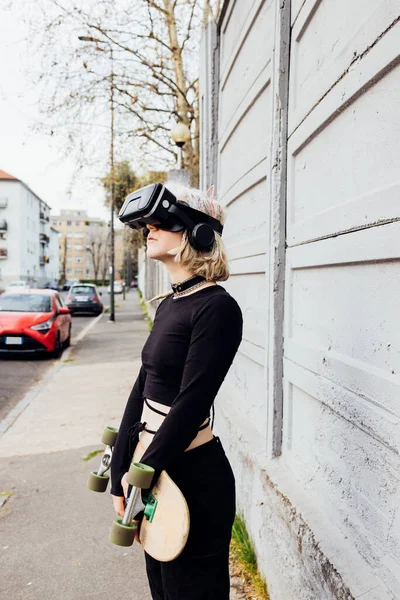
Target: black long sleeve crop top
x=184, y=362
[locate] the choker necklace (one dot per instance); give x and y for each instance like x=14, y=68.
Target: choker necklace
x=183, y=287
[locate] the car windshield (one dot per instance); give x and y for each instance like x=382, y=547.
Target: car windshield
x=82, y=289
x=25, y=303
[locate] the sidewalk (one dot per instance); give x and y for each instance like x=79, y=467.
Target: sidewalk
x=53, y=531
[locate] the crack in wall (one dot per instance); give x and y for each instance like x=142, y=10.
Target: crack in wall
x=378, y=223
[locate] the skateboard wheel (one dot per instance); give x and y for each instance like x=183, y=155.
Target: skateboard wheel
x=140, y=475
x=109, y=436
x=122, y=535
x=97, y=483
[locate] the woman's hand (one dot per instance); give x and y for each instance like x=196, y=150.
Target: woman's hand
x=119, y=504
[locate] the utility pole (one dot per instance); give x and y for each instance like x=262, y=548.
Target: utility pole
x=112, y=240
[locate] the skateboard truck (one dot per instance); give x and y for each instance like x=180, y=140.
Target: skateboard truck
x=98, y=481
x=139, y=477
x=150, y=507
x=123, y=530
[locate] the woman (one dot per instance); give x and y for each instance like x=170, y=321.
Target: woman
x=185, y=359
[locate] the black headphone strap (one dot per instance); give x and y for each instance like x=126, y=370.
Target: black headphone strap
x=186, y=220
x=185, y=214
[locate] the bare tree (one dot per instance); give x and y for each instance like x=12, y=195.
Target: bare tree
x=154, y=72
x=95, y=243
x=105, y=257
x=64, y=259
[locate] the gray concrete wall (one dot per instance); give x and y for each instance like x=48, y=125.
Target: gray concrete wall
x=306, y=155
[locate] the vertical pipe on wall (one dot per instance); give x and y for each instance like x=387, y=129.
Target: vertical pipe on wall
x=278, y=187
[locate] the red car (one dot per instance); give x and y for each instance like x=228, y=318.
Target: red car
x=34, y=321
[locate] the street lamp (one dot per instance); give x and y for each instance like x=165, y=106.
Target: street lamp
x=180, y=133
x=85, y=38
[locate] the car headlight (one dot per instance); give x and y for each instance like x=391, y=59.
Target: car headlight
x=43, y=327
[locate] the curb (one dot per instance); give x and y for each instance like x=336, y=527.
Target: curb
x=31, y=395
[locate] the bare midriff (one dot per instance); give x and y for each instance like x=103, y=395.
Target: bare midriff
x=153, y=421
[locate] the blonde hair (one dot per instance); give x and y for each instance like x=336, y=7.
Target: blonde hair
x=212, y=265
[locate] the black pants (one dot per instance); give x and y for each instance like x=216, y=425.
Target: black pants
x=201, y=572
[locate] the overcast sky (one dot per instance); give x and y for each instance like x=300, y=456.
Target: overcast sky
x=35, y=159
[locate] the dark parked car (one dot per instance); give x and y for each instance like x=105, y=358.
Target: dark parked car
x=84, y=298
x=51, y=285
x=68, y=284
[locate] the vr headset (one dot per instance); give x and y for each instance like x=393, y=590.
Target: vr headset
x=156, y=205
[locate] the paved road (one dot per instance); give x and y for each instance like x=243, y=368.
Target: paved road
x=19, y=375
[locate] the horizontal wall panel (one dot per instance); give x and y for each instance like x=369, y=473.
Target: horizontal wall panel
x=368, y=245
x=247, y=219
x=237, y=26
x=372, y=390
x=298, y=7
x=250, y=291
x=251, y=264
x=247, y=67
x=326, y=45
x=254, y=176
x=356, y=154
x=256, y=246
x=345, y=466
x=244, y=149
x=336, y=309
x=247, y=404
x=235, y=108
x=362, y=411
x=376, y=207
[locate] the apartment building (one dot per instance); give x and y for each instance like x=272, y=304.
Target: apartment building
x=84, y=245
x=28, y=246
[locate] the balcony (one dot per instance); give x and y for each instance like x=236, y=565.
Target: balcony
x=3, y=253
x=3, y=225
x=44, y=239
x=42, y=217
x=43, y=260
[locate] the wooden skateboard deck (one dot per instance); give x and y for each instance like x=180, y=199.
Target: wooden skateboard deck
x=165, y=536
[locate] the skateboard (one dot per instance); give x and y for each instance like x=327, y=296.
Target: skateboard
x=165, y=525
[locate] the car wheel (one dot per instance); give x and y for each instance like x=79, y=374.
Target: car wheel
x=67, y=342
x=57, y=348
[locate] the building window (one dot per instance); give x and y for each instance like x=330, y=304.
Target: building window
x=69, y=271
x=69, y=246
x=78, y=271
x=78, y=235
x=78, y=259
x=79, y=247
x=69, y=223
x=77, y=223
